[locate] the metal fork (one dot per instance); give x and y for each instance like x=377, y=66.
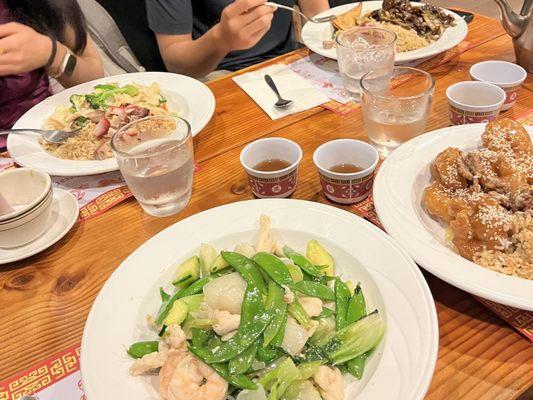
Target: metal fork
x=320, y=20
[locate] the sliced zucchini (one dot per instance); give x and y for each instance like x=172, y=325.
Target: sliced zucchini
x=188, y=272
x=318, y=255
x=177, y=313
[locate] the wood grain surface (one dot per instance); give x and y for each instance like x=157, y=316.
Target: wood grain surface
x=45, y=299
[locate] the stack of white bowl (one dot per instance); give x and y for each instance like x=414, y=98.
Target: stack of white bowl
x=29, y=193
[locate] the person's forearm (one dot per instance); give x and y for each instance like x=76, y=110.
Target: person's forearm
x=313, y=7
x=88, y=66
x=198, y=57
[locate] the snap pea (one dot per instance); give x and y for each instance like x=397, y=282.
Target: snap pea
x=253, y=322
x=342, y=301
x=242, y=363
x=239, y=381
x=200, y=337
x=165, y=308
x=314, y=289
x=249, y=270
x=296, y=310
x=275, y=302
x=356, y=366
x=356, y=307
x=140, y=349
x=268, y=354
x=302, y=262
x=275, y=268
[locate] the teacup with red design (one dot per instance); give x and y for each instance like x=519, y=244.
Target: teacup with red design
x=503, y=74
x=472, y=102
x=272, y=166
x=346, y=168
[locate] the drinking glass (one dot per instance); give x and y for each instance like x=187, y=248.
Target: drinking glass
x=360, y=50
x=155, y=156
x=396, y=108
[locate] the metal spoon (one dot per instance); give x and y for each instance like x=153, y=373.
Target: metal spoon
x=281, y=103
x=319, y=20
x=51, y=136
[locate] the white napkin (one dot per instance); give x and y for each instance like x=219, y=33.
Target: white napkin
x=290, y=85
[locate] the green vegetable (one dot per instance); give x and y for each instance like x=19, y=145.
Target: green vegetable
x=356, y=366
x=314, y=289
x=324, y=332
x=140, y=349
x=268, y=354
x=243, y=362
x=208, y=255
x=302, y=262
x=193, y=302
x=279, y=378
x=199, y=337
x=77, y=101
x=357, y=306
x=342, y=301
x=301, y=390
x=177, y=313
x=275, y=302
x=296, y=273
x=356, y=338
x=296, y=310
x=275, y=268
x=249, y=270
x=105, y=87
x=165, y=308
x=239, y=381
x=253, y=322
x=219, y=264
x=80, y=122
x=188, y=272
x=164, y=295
x=106, y=93
x=312, y=353
x=318, y=255
x=278, y=339
x=308, y=369
x=326, y=312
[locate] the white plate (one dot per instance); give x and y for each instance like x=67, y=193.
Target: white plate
x=398, y=191
x=190, y=98
x=402, y=365
x=64, y=215
x=312, y=34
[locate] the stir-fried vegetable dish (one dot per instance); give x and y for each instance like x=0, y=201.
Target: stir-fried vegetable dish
x=260, y=322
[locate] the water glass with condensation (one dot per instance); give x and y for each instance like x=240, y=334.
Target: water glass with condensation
x=360, y=50
x=155, y=156
x=395, y=109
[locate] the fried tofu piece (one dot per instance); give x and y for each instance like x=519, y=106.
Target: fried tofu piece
x=348, y=19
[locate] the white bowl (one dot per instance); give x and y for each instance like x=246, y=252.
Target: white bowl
x=29, y=192
x=503, y=74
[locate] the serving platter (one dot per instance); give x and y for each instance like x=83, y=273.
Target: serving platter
x=400, y=368
x=398, y=191
x=191, y=99
x=312, y=34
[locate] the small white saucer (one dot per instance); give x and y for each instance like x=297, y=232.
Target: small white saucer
x=64, y=215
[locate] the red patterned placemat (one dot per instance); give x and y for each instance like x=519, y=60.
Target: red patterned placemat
x=56, y=378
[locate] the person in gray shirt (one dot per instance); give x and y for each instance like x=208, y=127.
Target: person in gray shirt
x=196, y=37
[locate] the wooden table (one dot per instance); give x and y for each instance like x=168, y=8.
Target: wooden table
x=45, y=299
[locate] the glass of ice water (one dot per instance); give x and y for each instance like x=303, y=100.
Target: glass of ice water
x=396, y=108
x=155, y=156
x=364, y=49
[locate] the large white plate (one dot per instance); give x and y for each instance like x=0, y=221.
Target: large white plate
x=401, y=367
x=190, y=98
x=398, y=193
x=312, y=34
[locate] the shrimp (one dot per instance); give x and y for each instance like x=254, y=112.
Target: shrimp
x=330, y=382
x=150, y=362
x=176, y=338
x=226, y=322
x=184, y=377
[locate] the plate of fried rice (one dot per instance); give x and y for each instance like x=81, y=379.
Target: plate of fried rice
x=442, y=30
x=460, y=201
x=96, y=110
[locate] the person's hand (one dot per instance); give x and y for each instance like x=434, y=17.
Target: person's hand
x=22, y=49
x=243, y=23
